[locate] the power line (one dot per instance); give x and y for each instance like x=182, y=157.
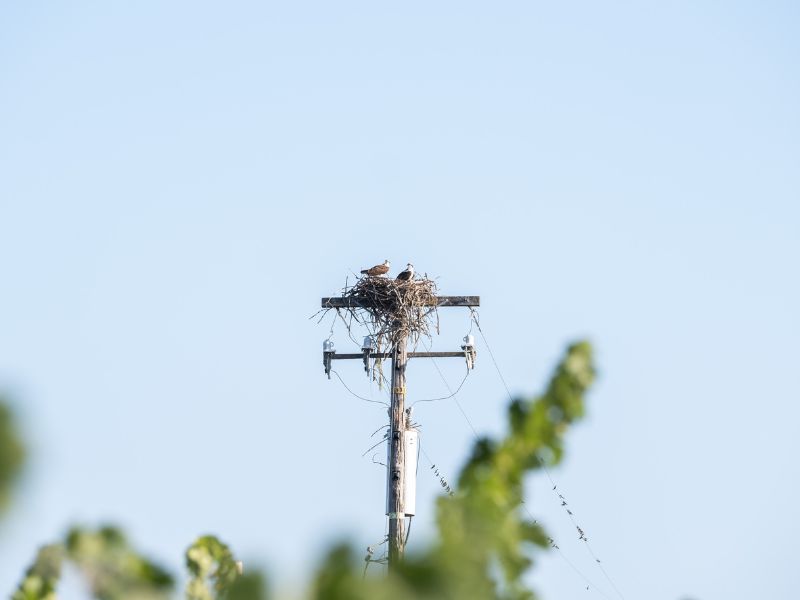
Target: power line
x=356, y=395
x=453, y=394
x=440, y=478
x=553, y=545
x=582, y=535
x=448, y=489
x=383, y=441
x=458, y=389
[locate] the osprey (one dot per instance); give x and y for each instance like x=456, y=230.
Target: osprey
x=377, y=269
x=408, y=274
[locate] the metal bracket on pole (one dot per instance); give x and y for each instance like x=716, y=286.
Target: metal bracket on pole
x=469, y=351
x=366, y=349
x=327, y=356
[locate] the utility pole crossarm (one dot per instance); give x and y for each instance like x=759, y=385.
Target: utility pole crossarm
x=349, y=302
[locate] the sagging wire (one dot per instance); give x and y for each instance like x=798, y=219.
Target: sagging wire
x=333, y=325
x=373, y=447
x=356, y=395
x=562, y=500
x=452, y=394
x=337, y=314
x=383, y=428
x=378, y=429
x=458, y=389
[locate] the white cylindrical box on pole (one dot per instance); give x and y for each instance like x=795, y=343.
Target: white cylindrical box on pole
x=411, y=449
x=411, y=439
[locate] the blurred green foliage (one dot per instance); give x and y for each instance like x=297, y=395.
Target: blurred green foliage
x=12, y=453
x=209, y=560
x=42, y=576
x=113, y=569
x=483, y=550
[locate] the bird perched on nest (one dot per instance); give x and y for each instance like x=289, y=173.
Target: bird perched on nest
x=377, y=270
x=408, y=274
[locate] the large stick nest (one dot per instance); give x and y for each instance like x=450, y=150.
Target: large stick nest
x=392, y=310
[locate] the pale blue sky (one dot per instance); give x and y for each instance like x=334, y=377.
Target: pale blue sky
x=179, y=184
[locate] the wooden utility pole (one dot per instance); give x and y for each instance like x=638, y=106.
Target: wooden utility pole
x=398, y=420
x=397, y=455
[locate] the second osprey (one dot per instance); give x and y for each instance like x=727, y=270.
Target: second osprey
x=408, y=274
